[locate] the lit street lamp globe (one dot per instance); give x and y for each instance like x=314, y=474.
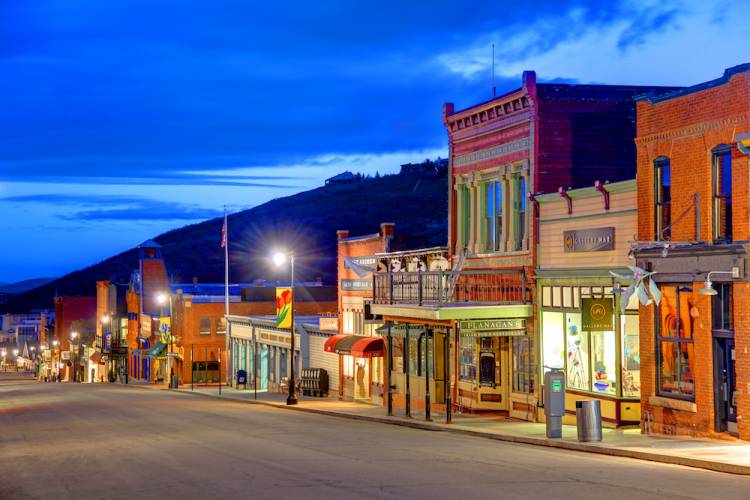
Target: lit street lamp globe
x=279, y=258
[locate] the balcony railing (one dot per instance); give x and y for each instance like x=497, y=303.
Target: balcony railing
x=505, y=286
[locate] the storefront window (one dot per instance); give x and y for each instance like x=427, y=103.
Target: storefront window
x=468, y=359
x=631, y=356
x=577, y=353
x=348, y=363
x=523, y=371
x=676, y=314
x=603, y=364
x=553, y=342
x=414, y=352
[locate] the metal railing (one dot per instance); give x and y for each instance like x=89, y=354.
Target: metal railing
x=502, y=286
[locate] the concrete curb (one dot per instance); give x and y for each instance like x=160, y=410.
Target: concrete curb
x=601, y=449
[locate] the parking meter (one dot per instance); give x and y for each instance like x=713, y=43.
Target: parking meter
x=554, y=401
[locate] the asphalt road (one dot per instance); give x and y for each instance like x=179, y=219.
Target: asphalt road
x=91, y=441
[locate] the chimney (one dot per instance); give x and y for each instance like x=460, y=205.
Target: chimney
x=342, y=233
x=387, y=229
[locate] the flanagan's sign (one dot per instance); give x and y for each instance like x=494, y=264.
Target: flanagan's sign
x=589, y=240
x=515, y=327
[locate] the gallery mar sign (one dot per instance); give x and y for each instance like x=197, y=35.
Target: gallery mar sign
x=589, y=240
x=597, y=315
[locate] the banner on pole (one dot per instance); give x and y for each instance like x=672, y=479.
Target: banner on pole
x=283, y=307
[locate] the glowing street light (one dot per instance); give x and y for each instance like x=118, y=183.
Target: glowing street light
x=279, y=258
x=161, y=298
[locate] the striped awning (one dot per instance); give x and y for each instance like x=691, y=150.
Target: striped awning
x=358, y=346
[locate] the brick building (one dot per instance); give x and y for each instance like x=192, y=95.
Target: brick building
x=693, y=231
x=360, y=365
x=200, y=327
x=68, y=311
x=476, y=323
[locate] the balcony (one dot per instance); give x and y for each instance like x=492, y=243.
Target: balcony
x=445, y=288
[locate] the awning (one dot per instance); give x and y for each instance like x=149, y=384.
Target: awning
x=355, y=345
x=157, y=350
x=96, y=357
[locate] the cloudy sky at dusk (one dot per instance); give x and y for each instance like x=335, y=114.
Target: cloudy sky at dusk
x=121, y=120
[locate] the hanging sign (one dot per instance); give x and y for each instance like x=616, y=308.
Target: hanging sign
x=597, y=315
x=351, y=285
x=283, y=307
x=589, y=240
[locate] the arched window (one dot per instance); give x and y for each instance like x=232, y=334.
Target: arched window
x=662, y=199
x=722, y=193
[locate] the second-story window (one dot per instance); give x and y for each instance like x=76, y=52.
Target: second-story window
x=722, y=193
x=722, y=307
x=519, y=183
x=205, y=325
x=465, y=215
x=493, y=217
x=221, y=325
x=662, y=199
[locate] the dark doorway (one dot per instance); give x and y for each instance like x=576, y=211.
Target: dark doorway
x=725, y=394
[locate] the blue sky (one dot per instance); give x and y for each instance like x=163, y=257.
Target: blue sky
x=124, y=119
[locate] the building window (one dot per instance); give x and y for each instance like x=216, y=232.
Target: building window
x=348, y=362
x=553, y=343
x=520, y=211
x=468, y=359
x=722, y=193
x=662, y=199
x=465, y=215
x=493, y=217
x=523, y=370
x=577, y=354
x=205, y=325
x=221, y=325
x=674, y=335
x=723, y=308
x=631, y=356
x=282, y=364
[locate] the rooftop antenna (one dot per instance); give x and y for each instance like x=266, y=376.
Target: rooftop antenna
x=494, y=93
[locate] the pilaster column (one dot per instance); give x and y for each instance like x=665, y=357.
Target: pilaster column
x=505, y=243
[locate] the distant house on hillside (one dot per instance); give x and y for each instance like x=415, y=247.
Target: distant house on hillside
x=439, y=166
x=342, y=178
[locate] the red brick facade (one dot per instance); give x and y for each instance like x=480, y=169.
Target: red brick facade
x=685, y=127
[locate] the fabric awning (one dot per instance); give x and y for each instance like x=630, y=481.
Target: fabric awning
x=355, y=345
x=157, y=350
x=96, y=357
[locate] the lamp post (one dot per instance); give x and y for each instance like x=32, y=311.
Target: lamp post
x=279, y=258
x=162, y=299
x=73, y=337
x=56, y=368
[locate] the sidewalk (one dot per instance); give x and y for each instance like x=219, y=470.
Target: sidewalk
x=720, y=456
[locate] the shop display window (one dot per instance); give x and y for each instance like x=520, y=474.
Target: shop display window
x=577, y=353
x=631, y=356
x=676, y=314
x=603, y=363
x=414, y=348
x=553, y=343
x=523, y=371
x=468, y=359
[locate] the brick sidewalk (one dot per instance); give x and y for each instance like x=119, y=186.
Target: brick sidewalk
x=722, y=456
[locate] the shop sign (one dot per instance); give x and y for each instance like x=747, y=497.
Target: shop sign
x=351, y=285
x=597, y=315
x=589, y=240
x=329, y=324
x=493, y=333
x=492, y=324
x=145, y=326
x=107, y=341
x=364, y=260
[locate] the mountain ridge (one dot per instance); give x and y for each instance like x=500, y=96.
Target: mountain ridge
x=415, y=200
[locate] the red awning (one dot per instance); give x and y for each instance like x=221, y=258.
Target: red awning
x=330, y=344
x=96, y=357
x=355, y=345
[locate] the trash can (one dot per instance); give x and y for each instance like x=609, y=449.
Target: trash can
x=589, y=420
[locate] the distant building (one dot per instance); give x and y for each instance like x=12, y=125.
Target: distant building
x=437, y=167
x=342, y=178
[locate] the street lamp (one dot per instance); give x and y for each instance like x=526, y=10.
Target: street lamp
x=279, y=259
x=708, y=288
x=162, y=299
x=73, y=336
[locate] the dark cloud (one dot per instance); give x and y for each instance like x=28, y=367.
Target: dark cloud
x=144, y=88
x=92, y=207
x=648, y=23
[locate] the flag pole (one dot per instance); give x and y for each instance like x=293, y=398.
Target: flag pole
x=226, y=296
